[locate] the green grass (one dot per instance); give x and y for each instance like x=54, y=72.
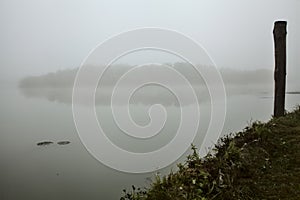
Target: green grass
x=260, y=162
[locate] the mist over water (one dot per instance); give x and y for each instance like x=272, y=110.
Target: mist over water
x=40, y=109
x=57, y=86
x=44, y=42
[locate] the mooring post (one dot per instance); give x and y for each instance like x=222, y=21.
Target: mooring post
x=279, y=34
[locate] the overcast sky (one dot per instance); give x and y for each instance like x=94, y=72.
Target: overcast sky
x=38, y=37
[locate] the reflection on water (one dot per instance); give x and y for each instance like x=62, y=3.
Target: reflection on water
x=28, y=171
x=147, y=95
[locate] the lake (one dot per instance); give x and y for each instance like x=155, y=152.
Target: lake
x=68, y=171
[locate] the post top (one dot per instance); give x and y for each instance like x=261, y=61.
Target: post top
x=280, y=23
x=280, y=28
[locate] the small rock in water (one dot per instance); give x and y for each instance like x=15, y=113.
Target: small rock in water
x=63, y=142
x=294, y=92
x=44, y=143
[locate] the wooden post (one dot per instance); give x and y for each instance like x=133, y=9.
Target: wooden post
x=279, y=34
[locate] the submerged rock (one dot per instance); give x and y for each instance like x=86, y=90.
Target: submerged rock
x=295, y=92
x=44, y=143
x=63, y=142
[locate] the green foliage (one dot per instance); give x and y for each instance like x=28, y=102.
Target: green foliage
x=134, y=194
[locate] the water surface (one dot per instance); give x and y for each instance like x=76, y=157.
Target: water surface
x=55, y=171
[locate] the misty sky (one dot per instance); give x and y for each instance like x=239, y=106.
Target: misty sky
x=38, y=37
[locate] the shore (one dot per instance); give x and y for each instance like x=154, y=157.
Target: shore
x=260, y=162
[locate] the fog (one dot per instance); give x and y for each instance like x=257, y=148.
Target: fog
x=44, y=43
x=38, y=37
x=57, y=86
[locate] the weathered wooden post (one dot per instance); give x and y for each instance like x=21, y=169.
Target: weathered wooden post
x=279, y=34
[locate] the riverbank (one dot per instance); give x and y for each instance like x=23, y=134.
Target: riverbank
x=260, y=162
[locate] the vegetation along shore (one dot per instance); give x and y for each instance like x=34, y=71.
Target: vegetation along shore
x=260, y=162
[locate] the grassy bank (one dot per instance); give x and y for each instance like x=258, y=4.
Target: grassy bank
x=260, y=162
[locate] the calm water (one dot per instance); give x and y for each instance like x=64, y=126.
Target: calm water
x=28, y=171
